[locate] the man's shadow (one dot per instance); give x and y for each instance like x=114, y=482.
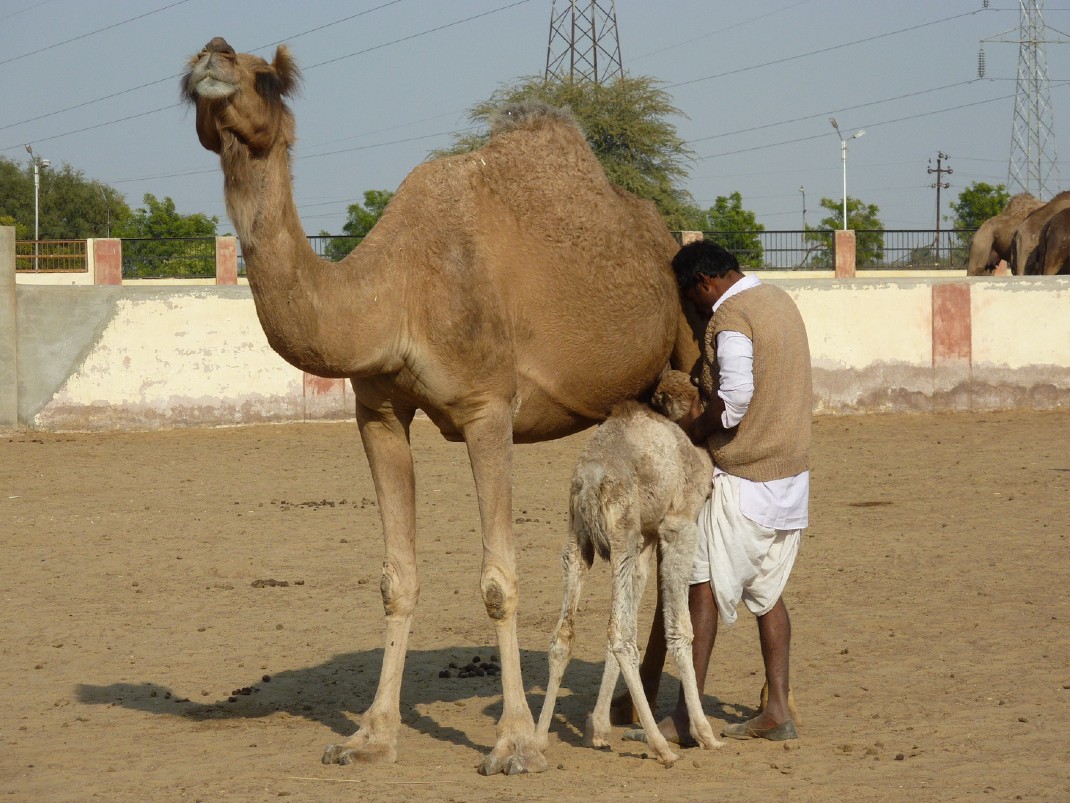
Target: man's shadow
x=329, y=692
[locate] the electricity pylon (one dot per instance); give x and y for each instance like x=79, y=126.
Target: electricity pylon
x=584, y=44
x=1033, y=166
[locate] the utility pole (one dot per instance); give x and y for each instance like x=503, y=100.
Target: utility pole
x=940, y=170
x=1033, y=165
x=584, y=43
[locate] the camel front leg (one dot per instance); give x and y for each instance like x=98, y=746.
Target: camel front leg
x=386, y=442
x=490, y=449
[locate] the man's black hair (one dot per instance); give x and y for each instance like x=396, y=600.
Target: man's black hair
x=699, y=258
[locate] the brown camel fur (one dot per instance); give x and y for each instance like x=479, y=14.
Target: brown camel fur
x=991, y=242
x=512, y=294
x=1052, y=254
x=1027, y=237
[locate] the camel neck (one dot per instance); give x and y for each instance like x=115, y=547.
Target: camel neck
x=300, y=298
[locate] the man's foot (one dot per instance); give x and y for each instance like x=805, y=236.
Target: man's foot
x=761, y=728
x=671, y=727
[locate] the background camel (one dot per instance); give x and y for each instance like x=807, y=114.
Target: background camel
x=1027, y=235
x=636, y=493
x=513, y=294
x=991, y=243
x=1052, y=254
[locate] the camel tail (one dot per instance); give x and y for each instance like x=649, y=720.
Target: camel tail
x=594, y=510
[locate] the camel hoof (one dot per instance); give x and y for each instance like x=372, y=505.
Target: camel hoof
x=363, y=754
x=596, y=741
x=668, y=760
x=513, y=763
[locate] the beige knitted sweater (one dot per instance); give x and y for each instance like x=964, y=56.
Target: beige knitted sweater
x=773, y=439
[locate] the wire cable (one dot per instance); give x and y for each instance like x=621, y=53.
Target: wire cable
x=91, y=33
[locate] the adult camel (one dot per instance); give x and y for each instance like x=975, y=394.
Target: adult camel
x=1052, y=254
x=991, y=242
x=1027, y=236
x=513, y=294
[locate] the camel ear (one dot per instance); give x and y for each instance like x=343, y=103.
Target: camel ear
x=287, y=70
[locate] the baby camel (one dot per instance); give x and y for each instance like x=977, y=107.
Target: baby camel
x=636, y=490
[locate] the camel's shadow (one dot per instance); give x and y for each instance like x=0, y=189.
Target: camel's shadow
x=329, y=692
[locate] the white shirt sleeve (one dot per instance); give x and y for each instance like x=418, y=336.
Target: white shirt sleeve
x=735, y=357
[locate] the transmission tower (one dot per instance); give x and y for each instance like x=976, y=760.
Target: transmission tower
x=584, y=44
x=1032, y=167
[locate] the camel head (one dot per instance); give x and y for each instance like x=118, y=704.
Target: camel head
x=240, y=98
x=674, y=395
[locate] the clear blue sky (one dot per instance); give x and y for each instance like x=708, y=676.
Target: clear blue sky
x=386, y=82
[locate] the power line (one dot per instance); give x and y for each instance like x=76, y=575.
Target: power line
x=822, y=50
x=413, y=36
x=306, y=69
x=831, y=111
x=178, y=75
x=91, y=33
x=870, y=125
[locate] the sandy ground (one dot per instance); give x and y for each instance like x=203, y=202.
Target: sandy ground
x=930, y=605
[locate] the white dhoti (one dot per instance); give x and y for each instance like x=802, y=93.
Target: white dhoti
x=741, y=559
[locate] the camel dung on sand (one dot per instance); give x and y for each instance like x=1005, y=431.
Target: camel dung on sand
x=513, y=294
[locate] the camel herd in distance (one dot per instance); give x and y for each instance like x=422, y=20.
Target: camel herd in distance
x=1031, y=236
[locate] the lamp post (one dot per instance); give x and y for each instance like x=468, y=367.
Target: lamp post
x=843, y=158
x=107, y=207
x=802, y=189
x=38, y=164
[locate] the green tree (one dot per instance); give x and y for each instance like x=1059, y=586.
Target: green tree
x=160, y=241
x=70, y=206
x=977, y=203
x=728, y=224
x=358, y=223
x=161, y=219
x=862, y=218
x=627, y=123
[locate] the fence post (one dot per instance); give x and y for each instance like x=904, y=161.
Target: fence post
x=226, y=260
x=844, y=253
x=107, y=260
x=9, y=375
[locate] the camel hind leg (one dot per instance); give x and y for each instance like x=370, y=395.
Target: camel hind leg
x=678, y=537
x=574, y=569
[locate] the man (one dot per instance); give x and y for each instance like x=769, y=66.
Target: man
x=754, y=415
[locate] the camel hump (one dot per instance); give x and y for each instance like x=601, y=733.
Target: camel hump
x=529, y=114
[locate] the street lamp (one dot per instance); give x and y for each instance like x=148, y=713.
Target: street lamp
x=107, y=207
x=38, y=165
x=802, y=189
x=843, y=158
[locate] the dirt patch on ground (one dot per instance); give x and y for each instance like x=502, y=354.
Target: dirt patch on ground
x=194, y=615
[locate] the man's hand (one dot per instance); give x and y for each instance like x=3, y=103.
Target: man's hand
x=699, y=424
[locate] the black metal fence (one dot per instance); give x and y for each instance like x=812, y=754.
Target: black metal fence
x=885, y=249
x=169, y=258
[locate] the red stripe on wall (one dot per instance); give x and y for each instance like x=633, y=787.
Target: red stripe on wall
x=318, y=386
x=952, y=328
